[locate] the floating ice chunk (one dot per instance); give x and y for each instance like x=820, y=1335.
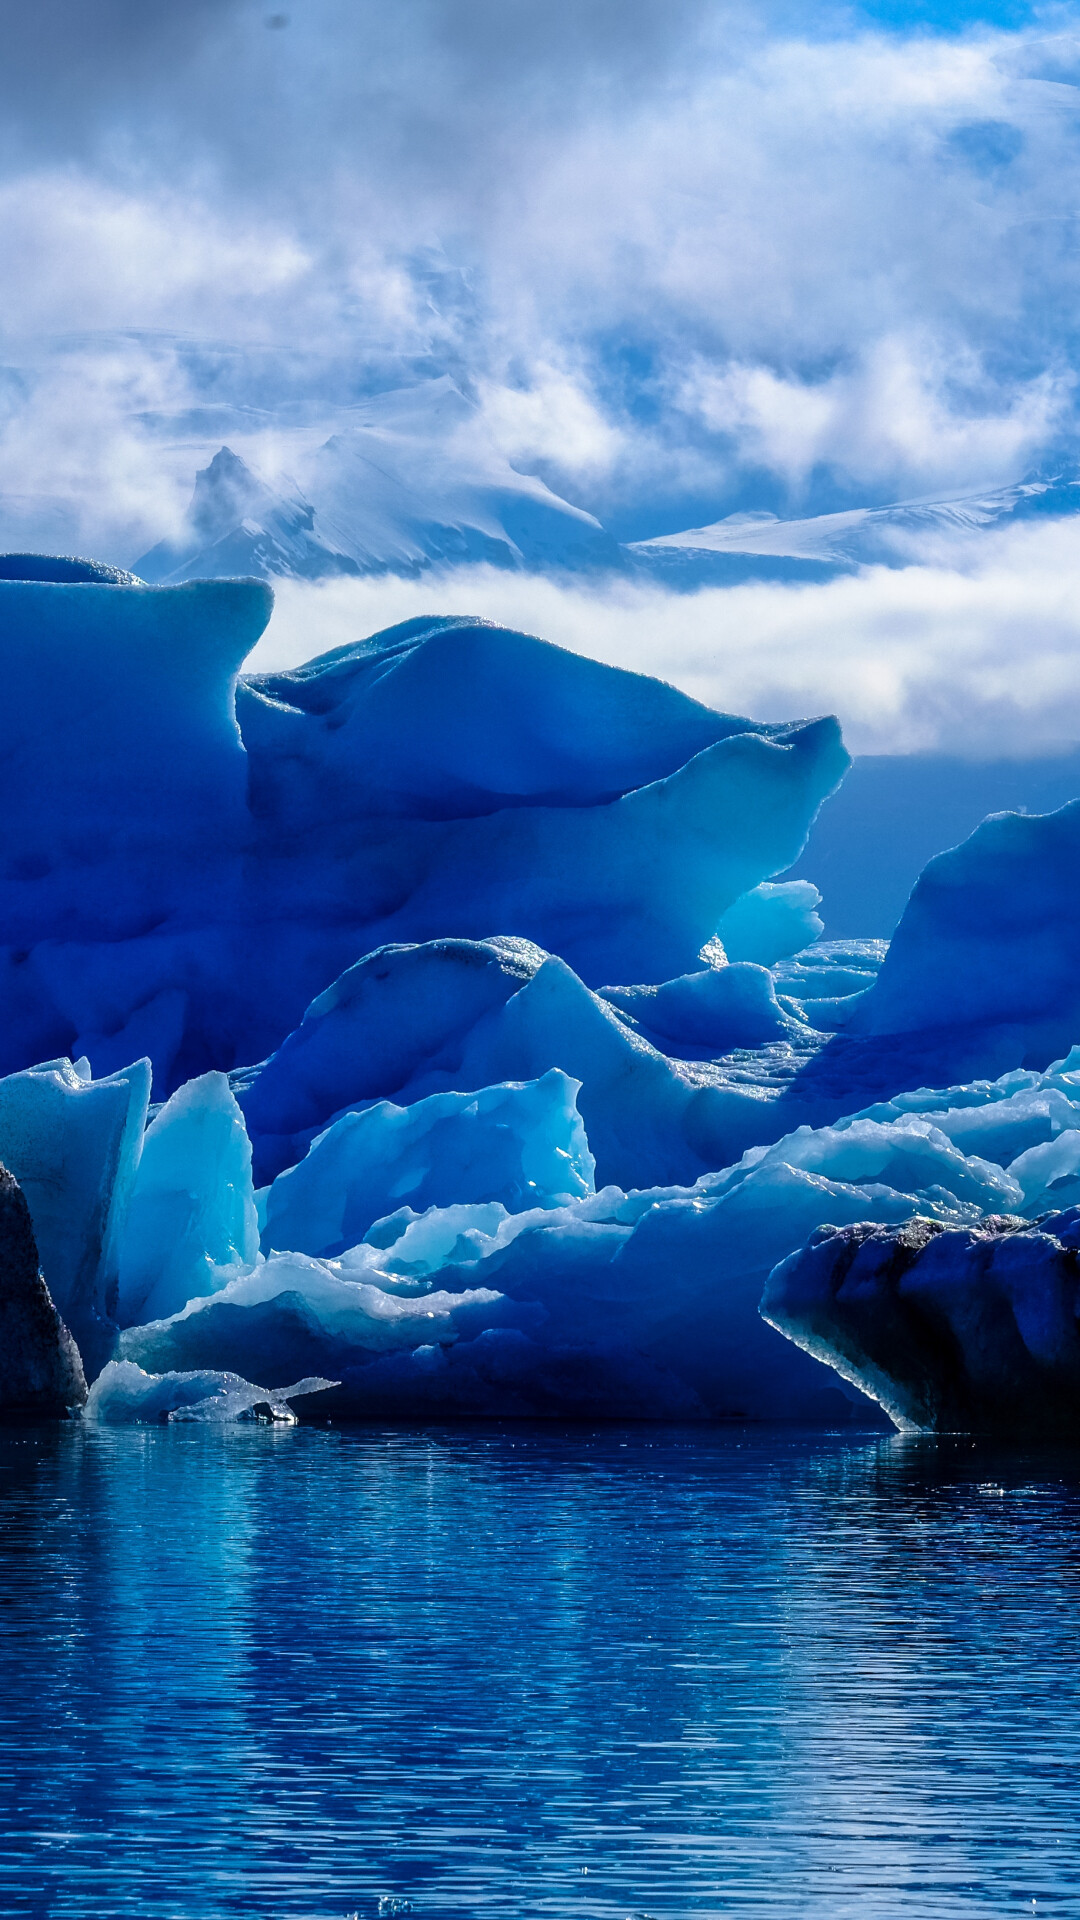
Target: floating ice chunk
x=292, y=1309
x=909, y=1155
x=73, y=1145
x=522, y=1144
x=771, y=922
x=191, y=1221
x=970, y=1329
x=123, y=1395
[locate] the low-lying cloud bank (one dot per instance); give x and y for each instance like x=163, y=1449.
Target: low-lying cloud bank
x=980, y=658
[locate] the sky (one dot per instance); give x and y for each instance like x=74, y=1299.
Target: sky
x=690, y=257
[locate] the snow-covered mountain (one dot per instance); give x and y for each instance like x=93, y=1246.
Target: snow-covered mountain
x=409, y=481
x=237, y=524
x=760, y=546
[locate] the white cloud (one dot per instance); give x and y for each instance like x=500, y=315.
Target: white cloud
x=688, y=252
x=554, y=419
x=94, y=256
x=984, y=661
x=885, y=423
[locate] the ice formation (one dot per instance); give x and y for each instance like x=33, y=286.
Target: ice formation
x=973, y=1329
x=40, y=1370
x=191, y=1220
x=983, y=965
x=641, y=1302
x=522, y=1145
x=73, y=1145
x=410, y=1021
x=433, y=937
x=123, y=1395
x=196, y=860
x=772, y=922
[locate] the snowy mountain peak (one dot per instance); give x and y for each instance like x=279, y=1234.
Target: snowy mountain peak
x=238, y=524
x=410, y=481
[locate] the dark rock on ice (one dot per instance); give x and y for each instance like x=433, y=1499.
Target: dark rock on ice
x=970, y=1329
x=40, y=1368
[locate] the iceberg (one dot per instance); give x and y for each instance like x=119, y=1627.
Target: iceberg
x=982, y=969
x=41, y=1373
x=197, y=857
x=438, y=934
x=410, y=1021
x=534, y=1294
x=123, y=1395
x=969, y=1329
x=464, y=779
x=522, y=1145
x=772, y=922
x=190, y=1222
x=710, y=1012
x=642, y=1303
x=73, y=1144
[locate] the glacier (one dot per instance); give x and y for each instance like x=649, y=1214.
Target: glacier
x=198, y=856
x=495, y=1069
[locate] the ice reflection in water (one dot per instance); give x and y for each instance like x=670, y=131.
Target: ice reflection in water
x=519, y=1672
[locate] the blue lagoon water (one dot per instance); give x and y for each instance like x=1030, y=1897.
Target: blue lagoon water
x=500, y=1672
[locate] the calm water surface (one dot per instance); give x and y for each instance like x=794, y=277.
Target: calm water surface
x=499, y=1672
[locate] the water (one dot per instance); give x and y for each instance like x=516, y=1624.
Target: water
x=499, y=1672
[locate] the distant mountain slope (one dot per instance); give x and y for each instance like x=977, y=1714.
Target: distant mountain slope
x=411, y=482
x=237, y=524
x=760, y=546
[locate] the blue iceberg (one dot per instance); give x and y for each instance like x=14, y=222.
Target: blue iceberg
x=198, y=856
x=522, y=1145
x=191, y=1221
x=500, y=1070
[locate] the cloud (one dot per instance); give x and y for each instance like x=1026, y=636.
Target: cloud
x=913, y=659
x=889, y=423
x=690, y=257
